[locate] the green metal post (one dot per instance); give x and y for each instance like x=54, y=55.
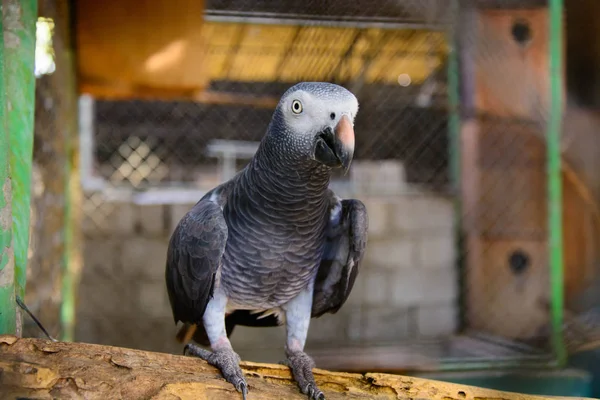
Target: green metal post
x=69, y=275
x=19, y=17
x=555, y=234
x=454, y=128
x=67, y=308
x=454, y=117
x=8, y=315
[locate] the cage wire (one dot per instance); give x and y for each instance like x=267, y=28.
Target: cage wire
x=393, y=57
x=506, y=225
x=505, y=274
x=144, y=163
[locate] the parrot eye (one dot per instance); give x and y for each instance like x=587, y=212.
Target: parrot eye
x=296, y=107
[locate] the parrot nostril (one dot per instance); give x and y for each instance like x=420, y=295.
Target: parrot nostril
x=332, y=116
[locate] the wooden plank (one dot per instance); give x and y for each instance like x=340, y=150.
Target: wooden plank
x=46, y=370
x=511, y=198
x=503, y=302
x=504, y=182
x=510, y=165
x=512, y=79
x=581, y=240
x=508, y=185
x=155, y=43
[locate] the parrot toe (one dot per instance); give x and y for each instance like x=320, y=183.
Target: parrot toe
x=301, y=365
x=227, y=361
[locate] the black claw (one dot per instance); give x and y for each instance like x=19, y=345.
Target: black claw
x=314, y=393
x=310, y=390
x=185, y=349
x=243, y=387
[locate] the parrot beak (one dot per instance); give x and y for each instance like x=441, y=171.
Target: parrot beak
x=344, y=144
x=335, y=148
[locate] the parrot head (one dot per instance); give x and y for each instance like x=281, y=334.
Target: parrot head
x=316, y=119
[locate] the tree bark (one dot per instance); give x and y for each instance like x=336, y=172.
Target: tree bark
x=54, y=223
x=41, y=369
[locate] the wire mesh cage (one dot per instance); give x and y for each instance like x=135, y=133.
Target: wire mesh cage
x=394, y=58
x=451, y=157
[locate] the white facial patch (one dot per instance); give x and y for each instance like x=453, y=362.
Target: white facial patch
x=319, y=110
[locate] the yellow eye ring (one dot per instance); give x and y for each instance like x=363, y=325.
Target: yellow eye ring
x=296, y=107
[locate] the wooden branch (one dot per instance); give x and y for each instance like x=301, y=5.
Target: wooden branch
x=41, y=369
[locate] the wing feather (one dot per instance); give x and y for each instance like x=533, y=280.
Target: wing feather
x=344, y=250
x=193, y=260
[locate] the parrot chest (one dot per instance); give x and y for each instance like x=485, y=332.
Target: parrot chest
x=266, y=265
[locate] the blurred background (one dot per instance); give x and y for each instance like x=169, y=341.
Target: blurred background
x=143, y=106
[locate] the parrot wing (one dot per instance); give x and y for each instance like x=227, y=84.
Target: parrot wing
x=344, y=250
x=193, y=260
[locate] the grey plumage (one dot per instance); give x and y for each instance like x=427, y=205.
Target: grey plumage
x=273, y=241
x=344, y=248
x=193, y=260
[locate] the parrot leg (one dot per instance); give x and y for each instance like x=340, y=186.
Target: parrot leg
x=298, y=312
x=222, y=356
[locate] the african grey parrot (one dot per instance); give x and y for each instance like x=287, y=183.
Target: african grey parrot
x=274, y=244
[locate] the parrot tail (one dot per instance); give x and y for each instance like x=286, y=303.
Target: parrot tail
x=185, y=334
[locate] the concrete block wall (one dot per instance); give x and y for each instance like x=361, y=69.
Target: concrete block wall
x=406, y=290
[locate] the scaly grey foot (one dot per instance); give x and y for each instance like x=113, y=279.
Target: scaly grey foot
x=226, y=360
x=301, y=365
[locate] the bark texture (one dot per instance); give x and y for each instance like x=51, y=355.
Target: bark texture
x=41, y=369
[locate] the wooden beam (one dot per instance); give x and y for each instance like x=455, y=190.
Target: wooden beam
x=236, y=99
x=290, y=50
x=44, y=370
x=126, y=92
